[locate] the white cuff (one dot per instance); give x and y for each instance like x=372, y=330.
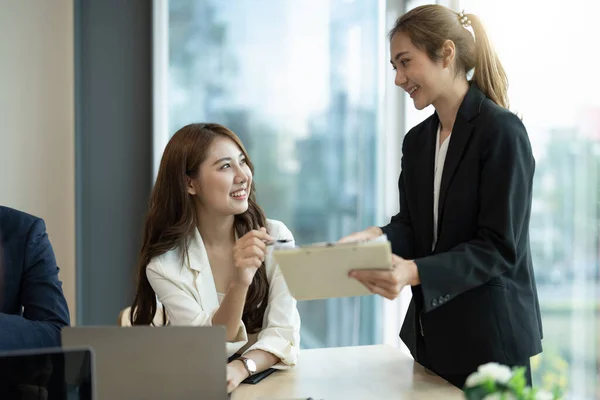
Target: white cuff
x=285, y=350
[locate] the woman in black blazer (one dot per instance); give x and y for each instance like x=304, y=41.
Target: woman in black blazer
x=461, y=238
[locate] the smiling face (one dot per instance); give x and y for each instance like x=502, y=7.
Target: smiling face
x=224, y=179
x=422, y=78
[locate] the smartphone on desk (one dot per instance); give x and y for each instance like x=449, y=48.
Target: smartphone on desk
x=259, y=376
x=253, y=379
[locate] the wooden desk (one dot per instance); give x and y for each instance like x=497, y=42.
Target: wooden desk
x=347, y=373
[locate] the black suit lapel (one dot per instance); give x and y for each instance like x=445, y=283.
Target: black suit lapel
x=461, y=132
x=458, y=141
x=425, y=182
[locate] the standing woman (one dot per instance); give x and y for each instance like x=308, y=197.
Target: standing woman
x=461, y=237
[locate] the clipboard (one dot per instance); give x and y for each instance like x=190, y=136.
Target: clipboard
x=320, y=271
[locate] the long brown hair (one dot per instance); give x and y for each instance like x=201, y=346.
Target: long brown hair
x=429, y=26
x=171, y=220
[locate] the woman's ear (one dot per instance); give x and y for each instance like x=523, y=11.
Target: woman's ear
x=190, y=186
x=448, y=53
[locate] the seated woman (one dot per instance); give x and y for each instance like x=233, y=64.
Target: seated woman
x=204, y=253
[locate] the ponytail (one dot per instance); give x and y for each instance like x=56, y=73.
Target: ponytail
x=489, y=73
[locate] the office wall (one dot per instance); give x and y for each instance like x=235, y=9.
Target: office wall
x=37, y=121
x=113, y=65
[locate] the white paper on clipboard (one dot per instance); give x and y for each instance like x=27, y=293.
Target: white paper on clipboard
x=320, y=271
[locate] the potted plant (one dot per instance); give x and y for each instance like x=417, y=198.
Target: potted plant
x=493, y=381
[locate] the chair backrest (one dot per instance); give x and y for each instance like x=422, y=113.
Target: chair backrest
x=124, y=321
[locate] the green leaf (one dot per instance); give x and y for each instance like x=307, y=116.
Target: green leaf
x=490, y=385
x=477, y=392
x=518, y=382
x=529, y=394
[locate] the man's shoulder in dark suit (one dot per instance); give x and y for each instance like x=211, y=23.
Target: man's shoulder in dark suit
x=15, y=223
x=33, y=308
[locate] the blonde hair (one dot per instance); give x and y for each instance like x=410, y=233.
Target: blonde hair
x=429, y=26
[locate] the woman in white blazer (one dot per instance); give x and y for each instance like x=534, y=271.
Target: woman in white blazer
x=205, y=253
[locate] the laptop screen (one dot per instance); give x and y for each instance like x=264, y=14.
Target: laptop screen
x=48, y=374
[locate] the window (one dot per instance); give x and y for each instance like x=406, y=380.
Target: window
x=300, y=83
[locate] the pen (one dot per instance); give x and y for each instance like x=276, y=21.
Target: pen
x=278, y=241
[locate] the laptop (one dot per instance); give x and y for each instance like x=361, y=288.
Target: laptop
x=49, y=374
x=144, y=362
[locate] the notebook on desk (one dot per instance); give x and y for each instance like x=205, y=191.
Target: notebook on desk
x=320, y=271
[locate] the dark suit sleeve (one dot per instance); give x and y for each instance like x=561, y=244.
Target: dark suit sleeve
x=400, y=229
x=506, y=179
x=45, y=307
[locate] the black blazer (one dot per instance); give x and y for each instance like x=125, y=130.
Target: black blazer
x=33, y=308
x=477, y=301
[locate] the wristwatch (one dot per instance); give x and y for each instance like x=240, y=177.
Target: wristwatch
x=249, y=364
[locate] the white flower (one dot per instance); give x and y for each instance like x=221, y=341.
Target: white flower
x=499, y=373
x=474, y=379
x=543, y=395
x=496, y=372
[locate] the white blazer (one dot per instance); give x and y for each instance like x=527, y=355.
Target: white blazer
x=187, y=292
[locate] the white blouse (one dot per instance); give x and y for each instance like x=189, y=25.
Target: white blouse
x=440, y=159
x=188, y=293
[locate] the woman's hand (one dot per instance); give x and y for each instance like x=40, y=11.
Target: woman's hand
x=249, y=254
x=362, y=236
x=236, y=373
x=389, y=283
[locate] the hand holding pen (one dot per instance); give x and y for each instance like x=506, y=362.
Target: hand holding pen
x=249, y=254
x=278, y=241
